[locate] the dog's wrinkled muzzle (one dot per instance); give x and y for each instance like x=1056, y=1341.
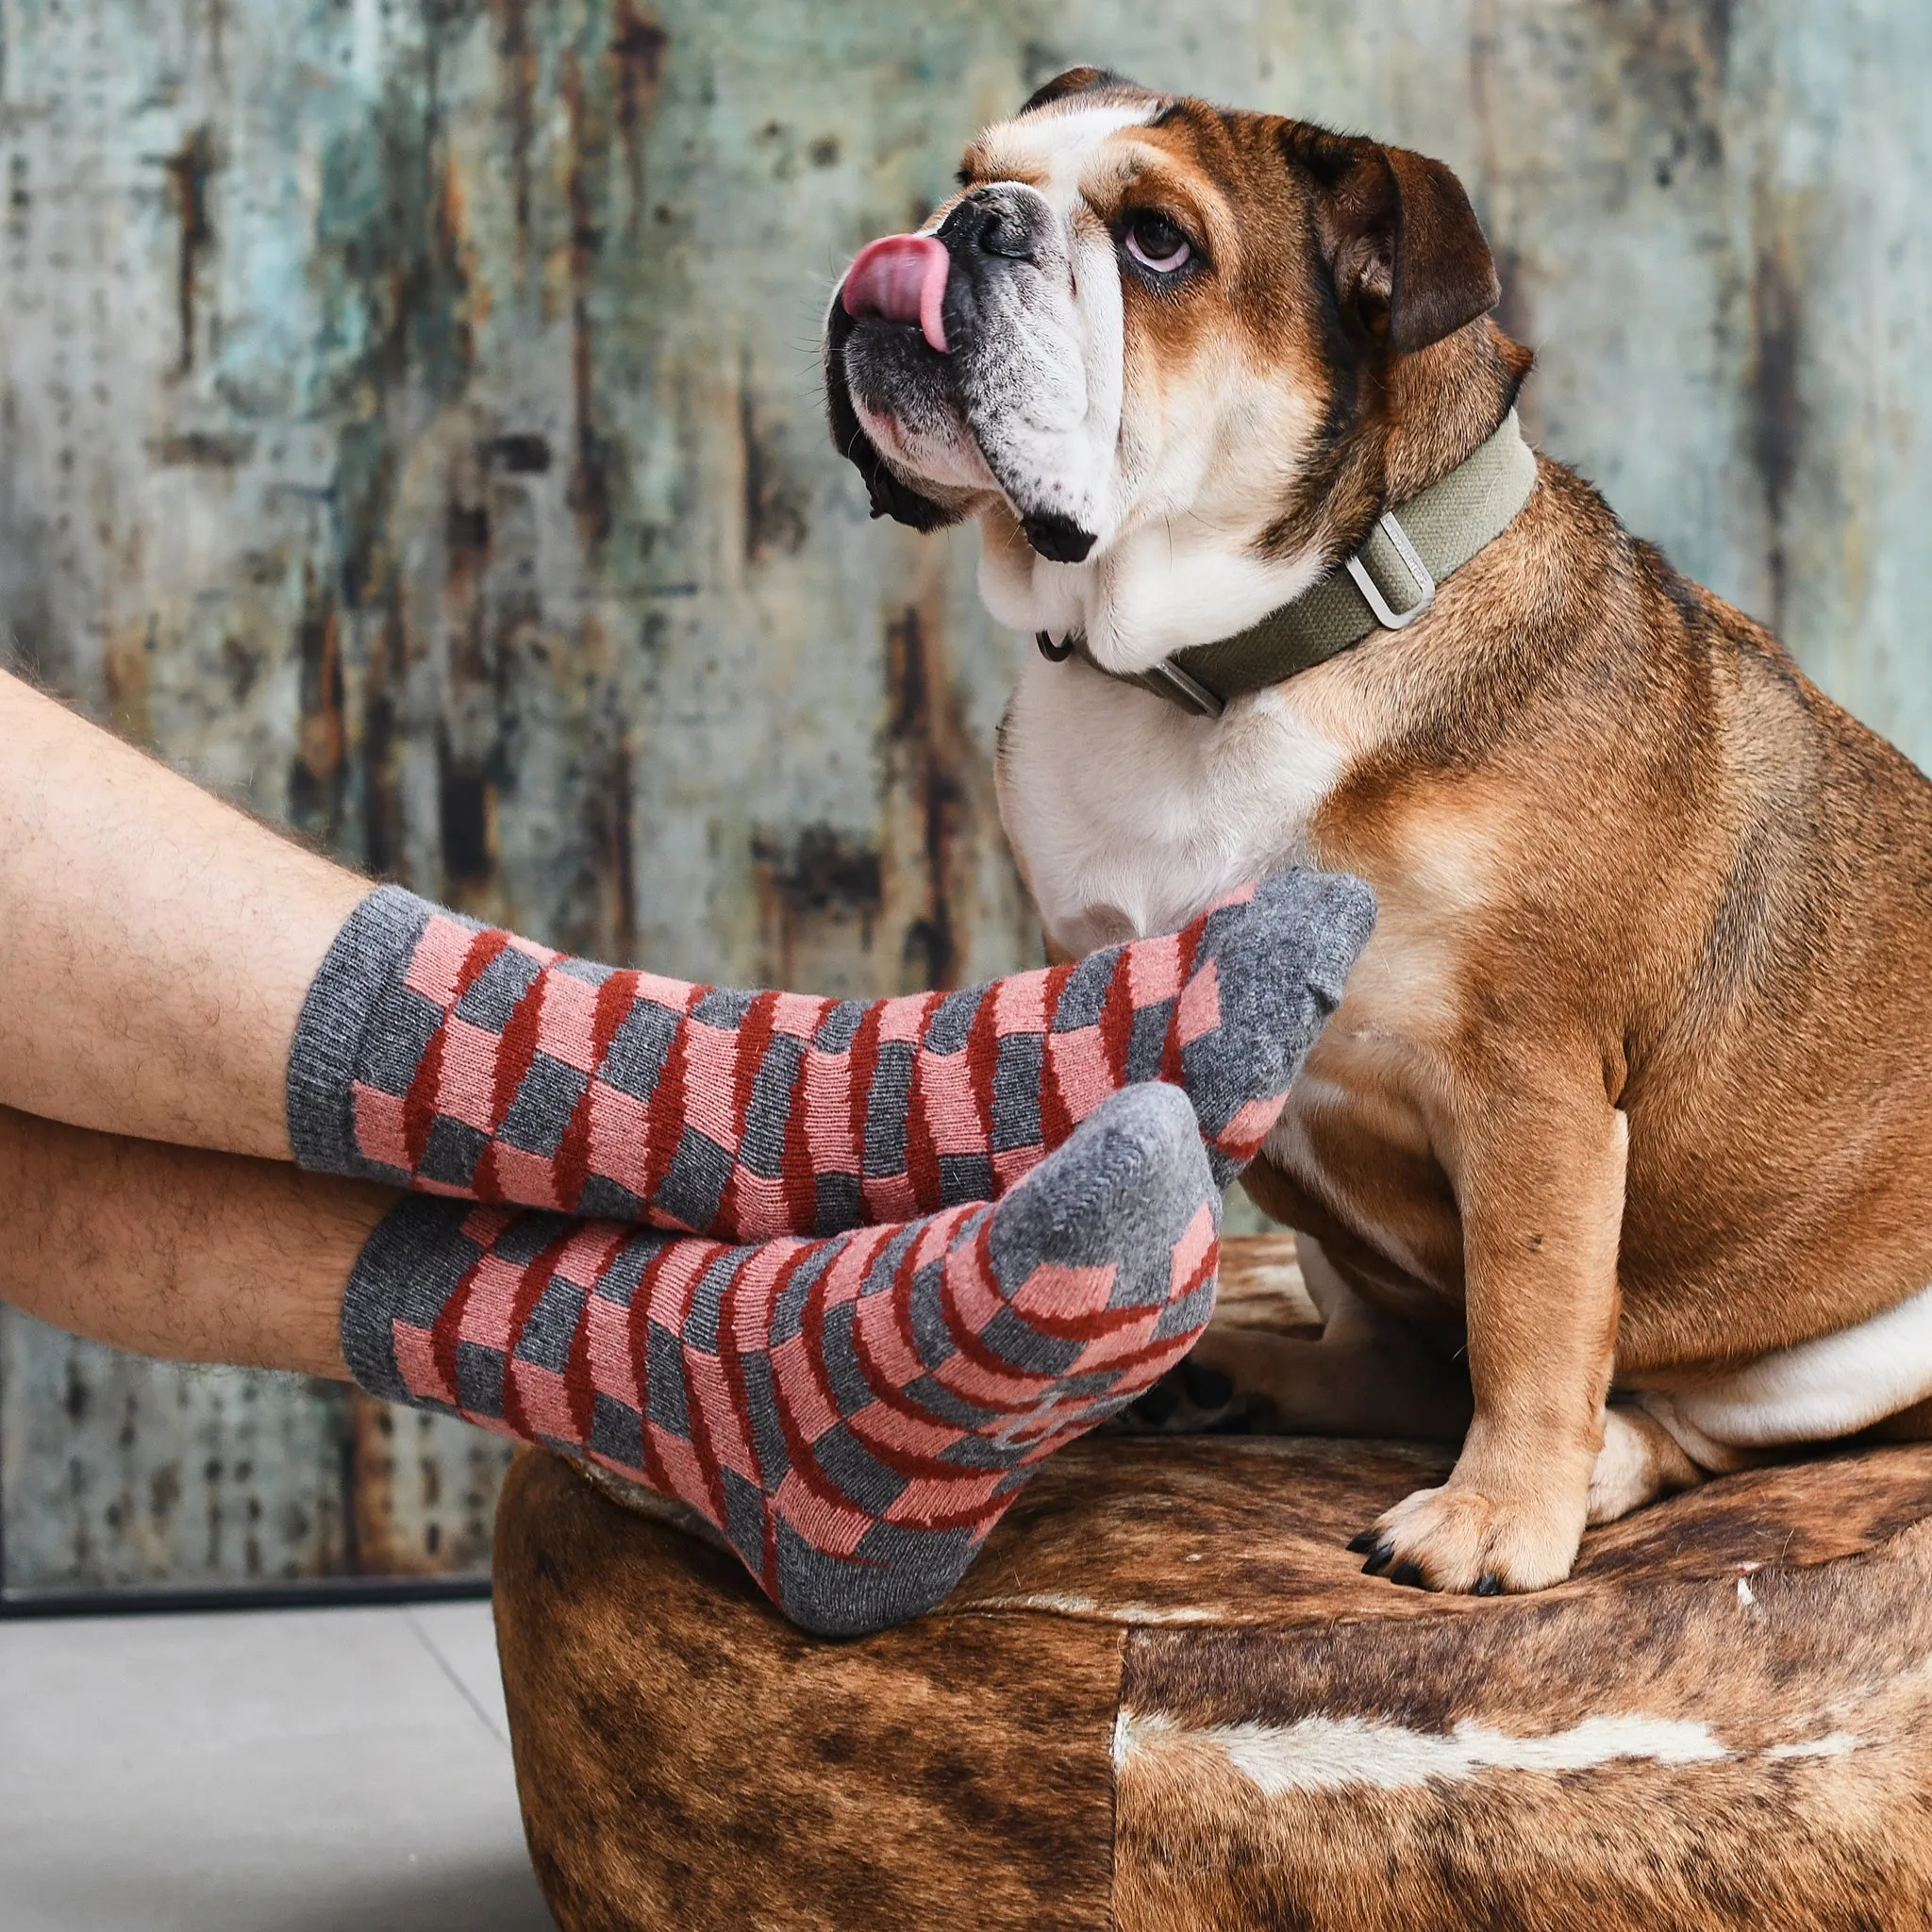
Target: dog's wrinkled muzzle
x=901, y=279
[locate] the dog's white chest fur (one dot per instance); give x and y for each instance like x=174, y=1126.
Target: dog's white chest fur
x=1130, y=816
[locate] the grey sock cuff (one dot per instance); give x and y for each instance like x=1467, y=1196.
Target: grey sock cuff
x=366, y=959
x=408, y=1269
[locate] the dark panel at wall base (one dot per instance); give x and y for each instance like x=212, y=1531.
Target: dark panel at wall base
x=117, y=1471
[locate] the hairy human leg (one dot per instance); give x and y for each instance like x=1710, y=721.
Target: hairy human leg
x=155, y=944
x=853, y=1414
x=178, y=1252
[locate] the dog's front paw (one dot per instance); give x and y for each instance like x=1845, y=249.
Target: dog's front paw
x=1458, y=1538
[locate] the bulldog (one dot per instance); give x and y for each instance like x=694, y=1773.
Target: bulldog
x=1615, y=1161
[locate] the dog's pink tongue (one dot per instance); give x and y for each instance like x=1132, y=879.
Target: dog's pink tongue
x=901, y=278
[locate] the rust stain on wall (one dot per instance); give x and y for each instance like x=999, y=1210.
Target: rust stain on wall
x=776, y=502
x=128, y=667
x=607, y=808
x=423, y=1495
x=1675, y=55
x=591, y=484
x=637, y=43
x=381, y=740
x=189, y=169
x=820, y=896
x=1777, y=415
x=931, y=783
x=517, y=55
x=321, y=767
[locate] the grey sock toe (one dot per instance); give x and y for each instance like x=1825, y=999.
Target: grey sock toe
x=1281, y=958
x=1126, y=1192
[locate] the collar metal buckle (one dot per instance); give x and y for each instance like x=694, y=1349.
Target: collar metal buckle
x=1417, y=569
x=1190, y=690
x=1187, y=690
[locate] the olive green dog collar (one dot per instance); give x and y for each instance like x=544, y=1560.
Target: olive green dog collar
x=1410, y=552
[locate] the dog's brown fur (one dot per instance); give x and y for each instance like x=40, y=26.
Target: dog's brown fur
x=1635, y=1076
x=1661, y=890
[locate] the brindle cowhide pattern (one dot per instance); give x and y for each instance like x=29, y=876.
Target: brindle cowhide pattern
x=1166, y=1700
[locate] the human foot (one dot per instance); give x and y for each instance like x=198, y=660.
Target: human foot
x=853, y=1414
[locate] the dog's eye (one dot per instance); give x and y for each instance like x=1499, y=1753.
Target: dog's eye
x=1157, y=244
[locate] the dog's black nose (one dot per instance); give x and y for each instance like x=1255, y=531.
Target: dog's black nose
x=993, y=224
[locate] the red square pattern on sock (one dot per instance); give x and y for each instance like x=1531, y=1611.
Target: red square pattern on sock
x=471, y=1073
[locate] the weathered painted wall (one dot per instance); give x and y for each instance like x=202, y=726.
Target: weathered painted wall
x=408, y=424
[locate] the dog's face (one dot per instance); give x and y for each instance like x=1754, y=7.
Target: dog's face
x=1140, y=345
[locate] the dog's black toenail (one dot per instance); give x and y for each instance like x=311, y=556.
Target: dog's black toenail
x=1360, y=1545
x=1207, y=1388
x=1406, y=1572
x=1489, y=1584
x=1379, y=1558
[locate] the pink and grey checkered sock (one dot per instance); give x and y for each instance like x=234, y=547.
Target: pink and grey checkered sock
x=853, y=1414
x=436, y=1053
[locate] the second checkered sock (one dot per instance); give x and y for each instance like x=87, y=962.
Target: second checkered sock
x=440, y=1055
x=852, y=1415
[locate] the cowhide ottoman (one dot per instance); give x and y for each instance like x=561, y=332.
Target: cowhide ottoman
x=1165, y=1700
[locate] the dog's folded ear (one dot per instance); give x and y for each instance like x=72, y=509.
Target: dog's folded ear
x=1444, y=273
x=1084, y=80
x=1409, y=258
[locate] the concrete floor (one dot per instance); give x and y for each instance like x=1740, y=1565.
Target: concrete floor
x=279, y=1770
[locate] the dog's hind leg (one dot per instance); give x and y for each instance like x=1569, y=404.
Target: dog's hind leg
x=1639, y=1462
x=1371, y=1373
x=1283, y=1385
x=1874, y=1377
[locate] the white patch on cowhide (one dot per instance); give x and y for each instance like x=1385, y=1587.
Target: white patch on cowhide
x=1836, y=1745
x=1316, y=1754
x=1111, y=1613
x=1056, y=1601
